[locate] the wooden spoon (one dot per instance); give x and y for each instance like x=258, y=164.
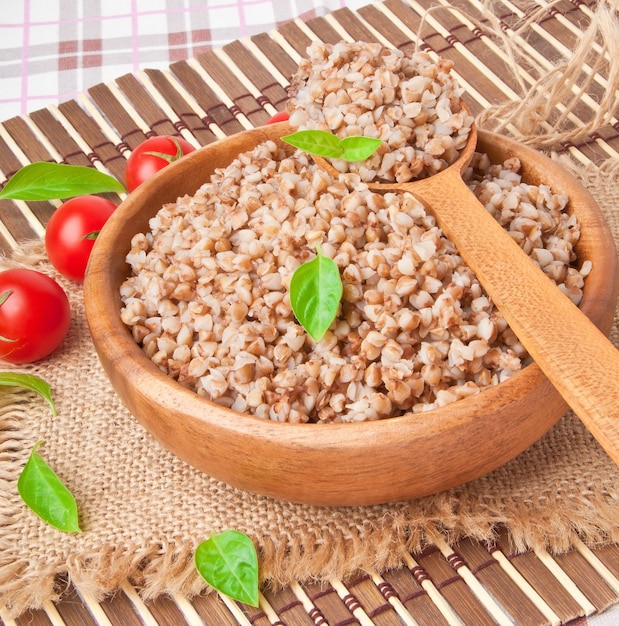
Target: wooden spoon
x=577, y=358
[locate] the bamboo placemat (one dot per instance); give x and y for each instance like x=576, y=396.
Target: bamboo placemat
x=225, y=91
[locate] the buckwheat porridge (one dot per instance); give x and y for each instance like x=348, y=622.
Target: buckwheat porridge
x=208, y=299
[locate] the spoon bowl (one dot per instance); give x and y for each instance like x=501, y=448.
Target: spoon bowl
x=456, y=168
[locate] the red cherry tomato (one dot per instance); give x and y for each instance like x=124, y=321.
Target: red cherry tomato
x=280, y=116
x=71, y=233
x=142, y=164
x=34, y=315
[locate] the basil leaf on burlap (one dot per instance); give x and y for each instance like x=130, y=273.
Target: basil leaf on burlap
x=228, y=562
x=54, y=181
x=315, y=294
x=29, y=381
x=42, y=490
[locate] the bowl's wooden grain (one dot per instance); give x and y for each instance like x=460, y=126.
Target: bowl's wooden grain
x=338, y=464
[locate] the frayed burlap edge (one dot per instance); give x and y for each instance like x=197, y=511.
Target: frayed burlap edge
x=168, y=569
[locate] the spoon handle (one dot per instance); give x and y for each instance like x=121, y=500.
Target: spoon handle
x=573, y=353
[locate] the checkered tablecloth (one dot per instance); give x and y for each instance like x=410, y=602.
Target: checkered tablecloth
x=51, y=50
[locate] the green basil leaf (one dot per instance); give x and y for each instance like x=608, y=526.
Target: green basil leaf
x=42, y=490
x=315, y=294
x=229, y=563
x=359, y=148
x=330, y=146
x=318, y=142
x=28, y=381
x=54, y=181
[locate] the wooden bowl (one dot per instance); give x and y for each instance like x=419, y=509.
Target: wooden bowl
x=337, y=464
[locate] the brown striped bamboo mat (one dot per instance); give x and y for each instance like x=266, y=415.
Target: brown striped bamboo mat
x=535, y=542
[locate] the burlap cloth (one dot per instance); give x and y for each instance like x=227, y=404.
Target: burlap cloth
x=143, y=511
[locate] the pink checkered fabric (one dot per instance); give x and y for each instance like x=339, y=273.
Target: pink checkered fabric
x=51, y=50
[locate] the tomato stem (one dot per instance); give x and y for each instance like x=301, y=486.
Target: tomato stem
x=4, y=296
x=169, y=158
